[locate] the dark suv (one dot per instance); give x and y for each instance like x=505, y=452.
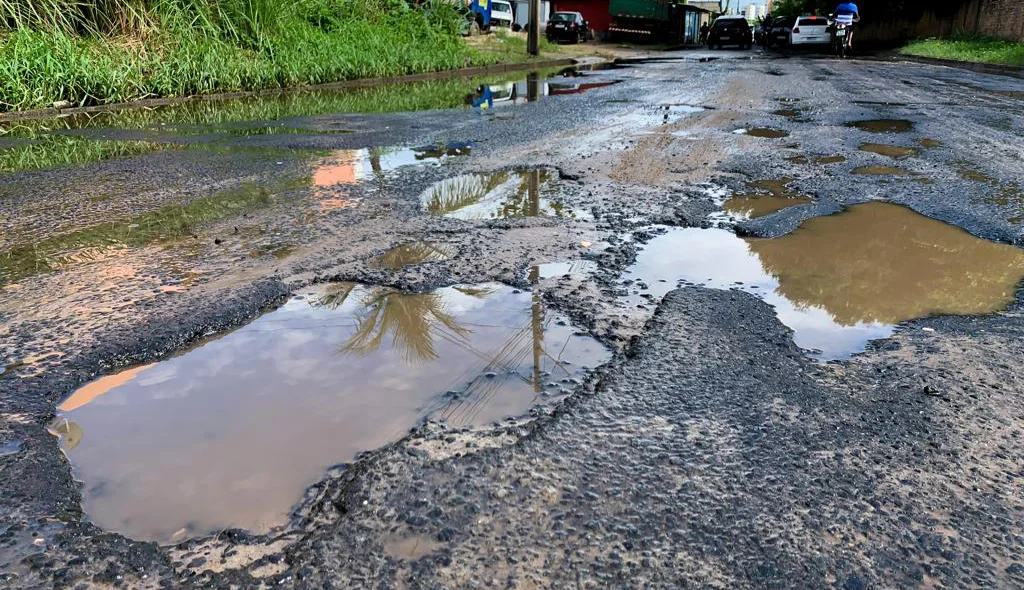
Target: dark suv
x=731, y=30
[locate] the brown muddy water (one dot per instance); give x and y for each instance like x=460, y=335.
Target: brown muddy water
x=876, y=170
x=883, y=125
x=504, y=194
x=412, y=254
x=842, y=280
x=764, y=132
x=830, y=159
x=765, y=197
x=230, y=433
x=749, y=206
x=891, y=151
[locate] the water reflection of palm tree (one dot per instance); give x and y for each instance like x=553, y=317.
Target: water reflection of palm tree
x=412, y=319
x=526, y=340
x=456, y=193
x=412, y=253
x=335, y=295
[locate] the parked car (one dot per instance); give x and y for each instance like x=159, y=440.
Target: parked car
x=567, y=26
x=810, y=30
x=781, y=29
x=731, y=30
x=501, y=14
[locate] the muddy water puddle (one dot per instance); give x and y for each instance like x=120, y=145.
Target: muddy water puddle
x=412, y=254
x=110, y=240
x=230, y=433
x=876, y=170
x=789, y=113
x=350, y=166
x=86, y=138
x=10, y=447
x=572, y=268
x=841, y=280
x=891, y=151
x=763, y=197
x=505, y=194
x=883, y=125
x=830, y=159
x=763, y=132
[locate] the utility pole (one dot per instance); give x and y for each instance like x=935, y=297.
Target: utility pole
x=533, y=34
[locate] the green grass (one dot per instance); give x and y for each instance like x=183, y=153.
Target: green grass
x=969, y=48
x=98, y=51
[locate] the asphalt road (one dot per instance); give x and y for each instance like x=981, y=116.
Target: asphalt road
x=710, y=452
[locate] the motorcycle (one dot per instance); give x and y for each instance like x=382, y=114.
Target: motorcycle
x=840, y=38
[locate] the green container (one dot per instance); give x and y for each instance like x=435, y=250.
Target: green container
x=639, y=9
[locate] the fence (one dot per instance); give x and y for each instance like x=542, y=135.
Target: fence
x=994, y=18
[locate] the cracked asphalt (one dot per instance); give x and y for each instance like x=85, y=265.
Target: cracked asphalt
x=710, y=452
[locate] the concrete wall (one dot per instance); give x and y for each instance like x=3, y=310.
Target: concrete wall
x=996, y=18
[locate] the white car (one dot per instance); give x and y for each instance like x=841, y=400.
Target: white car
x=501, y=14
x=810, y=30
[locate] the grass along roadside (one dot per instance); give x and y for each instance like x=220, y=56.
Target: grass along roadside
x=86, y=52
x=969, y=49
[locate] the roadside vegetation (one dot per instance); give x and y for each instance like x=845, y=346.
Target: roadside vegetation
x=969, y=48
x=86, y=52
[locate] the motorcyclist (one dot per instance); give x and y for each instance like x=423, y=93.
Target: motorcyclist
x=847, y=13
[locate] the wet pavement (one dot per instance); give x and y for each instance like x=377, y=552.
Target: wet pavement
x=751, y=321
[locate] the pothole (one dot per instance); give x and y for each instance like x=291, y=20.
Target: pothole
x=351, y=166
x=837, y=159
x=412, y=254
x=766, y=197
x=763, y=132
x=967, y=171
x=230, y=433
x=891, y=151
x=10, y=447
x=842, y=280
x=883, y=125
x=573, y=268
x=790, y=113
x=497, y=195
x=876, y=170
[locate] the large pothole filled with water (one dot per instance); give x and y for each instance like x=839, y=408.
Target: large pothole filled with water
x=230, y=433
x=842, y=280
x=504, y=194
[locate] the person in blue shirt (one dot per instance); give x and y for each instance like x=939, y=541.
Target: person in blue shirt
x=847, y=13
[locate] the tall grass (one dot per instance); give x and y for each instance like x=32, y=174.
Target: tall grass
x=971, y=48
x=95, y=51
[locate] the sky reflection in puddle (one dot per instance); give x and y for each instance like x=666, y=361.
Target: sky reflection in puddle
x=230, y=433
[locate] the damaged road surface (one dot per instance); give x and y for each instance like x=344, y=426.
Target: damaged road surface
x=676, y=323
